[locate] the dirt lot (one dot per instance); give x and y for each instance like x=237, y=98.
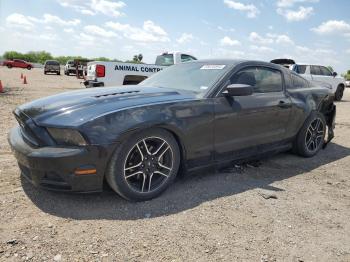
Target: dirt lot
x=215, y=216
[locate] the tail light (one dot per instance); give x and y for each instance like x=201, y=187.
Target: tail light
x=100, y=71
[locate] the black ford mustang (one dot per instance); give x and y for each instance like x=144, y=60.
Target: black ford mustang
x=189, y=116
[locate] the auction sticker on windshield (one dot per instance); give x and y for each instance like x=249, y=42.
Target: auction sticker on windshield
x=213, y=67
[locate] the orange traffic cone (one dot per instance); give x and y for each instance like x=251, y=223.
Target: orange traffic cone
x=21, y=75
x=25, y=80
x=1, y=88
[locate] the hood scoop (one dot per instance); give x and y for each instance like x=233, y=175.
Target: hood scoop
x=118, y=93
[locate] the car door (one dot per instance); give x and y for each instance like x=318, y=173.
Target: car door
x=16, y=63
x=241, y=124
x=323, y=75
x=328, y=77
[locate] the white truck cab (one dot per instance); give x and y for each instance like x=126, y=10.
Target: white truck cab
x=118, y=73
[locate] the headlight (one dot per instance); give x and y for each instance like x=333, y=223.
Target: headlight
x=64, y=136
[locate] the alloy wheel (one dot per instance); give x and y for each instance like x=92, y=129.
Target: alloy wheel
x=148, y=164
x=314, y=135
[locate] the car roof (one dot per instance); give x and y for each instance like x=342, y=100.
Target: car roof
x=235, y=62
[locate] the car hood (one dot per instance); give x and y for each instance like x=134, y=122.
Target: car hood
x=77, y=107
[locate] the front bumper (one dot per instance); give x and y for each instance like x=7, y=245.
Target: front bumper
x=53, y=167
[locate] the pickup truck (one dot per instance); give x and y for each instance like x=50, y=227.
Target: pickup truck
x=71, y=68
x=17, y=63
x=119, y=73
x=316, y=73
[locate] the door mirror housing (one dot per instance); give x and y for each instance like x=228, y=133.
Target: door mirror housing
x=238, y=90
x=334, y=74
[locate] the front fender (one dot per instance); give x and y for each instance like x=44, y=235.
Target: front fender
x=190, y=121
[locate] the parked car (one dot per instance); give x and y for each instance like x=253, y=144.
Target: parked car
x=347, y=83
x=191, y=115
x=118, y=73
x=71, y=68
x=316, y=73
x=52, y=66
x=17, y=63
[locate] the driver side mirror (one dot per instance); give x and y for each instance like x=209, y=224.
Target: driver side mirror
x=334, y=74
x=238, y=90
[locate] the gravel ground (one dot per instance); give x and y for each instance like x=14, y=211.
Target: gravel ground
x=286, y=209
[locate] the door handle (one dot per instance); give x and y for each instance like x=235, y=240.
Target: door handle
x=284, y=104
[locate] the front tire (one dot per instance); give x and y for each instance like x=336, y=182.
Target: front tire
x=144, y=165
x=339, y=93
x=9, y=66
x=29, y=67
x=310, y=138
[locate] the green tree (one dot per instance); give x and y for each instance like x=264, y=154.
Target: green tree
x=137, y=59
x=42, y=56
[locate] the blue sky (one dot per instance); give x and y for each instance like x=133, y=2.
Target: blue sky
x=313, y=31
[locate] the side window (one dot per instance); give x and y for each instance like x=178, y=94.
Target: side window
x=264, y=80
x=300, y=69
x=315, y=70
x=299, y=82
x=187, y=58
x=325, y=71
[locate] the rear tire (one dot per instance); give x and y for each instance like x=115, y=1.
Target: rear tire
x=144, y=165
x=339, y=93
x=310, y=138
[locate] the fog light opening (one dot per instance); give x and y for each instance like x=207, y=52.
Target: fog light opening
x=85, y=171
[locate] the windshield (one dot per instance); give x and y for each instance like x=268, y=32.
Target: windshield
x=195, y=77
x=165, y=60
x=52, y=63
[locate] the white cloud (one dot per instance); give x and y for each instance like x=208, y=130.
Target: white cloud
x=29, y=23
x=251, y=10
x=107, y=7
x=290, y=3
x=150, y=32
x=68, y=30
x=152, y=28
x=261, y=49
x=281, y=39
x=228, y=53
x=226, y=29
x=293, y=16
x=48, y=37
x=82, y=37
x=258, y=39
x=53, y=19
x=185, y=38
x=98, y=31
x=227, y=41
x=16, y=20
x=93, y=7
x=332, y=27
